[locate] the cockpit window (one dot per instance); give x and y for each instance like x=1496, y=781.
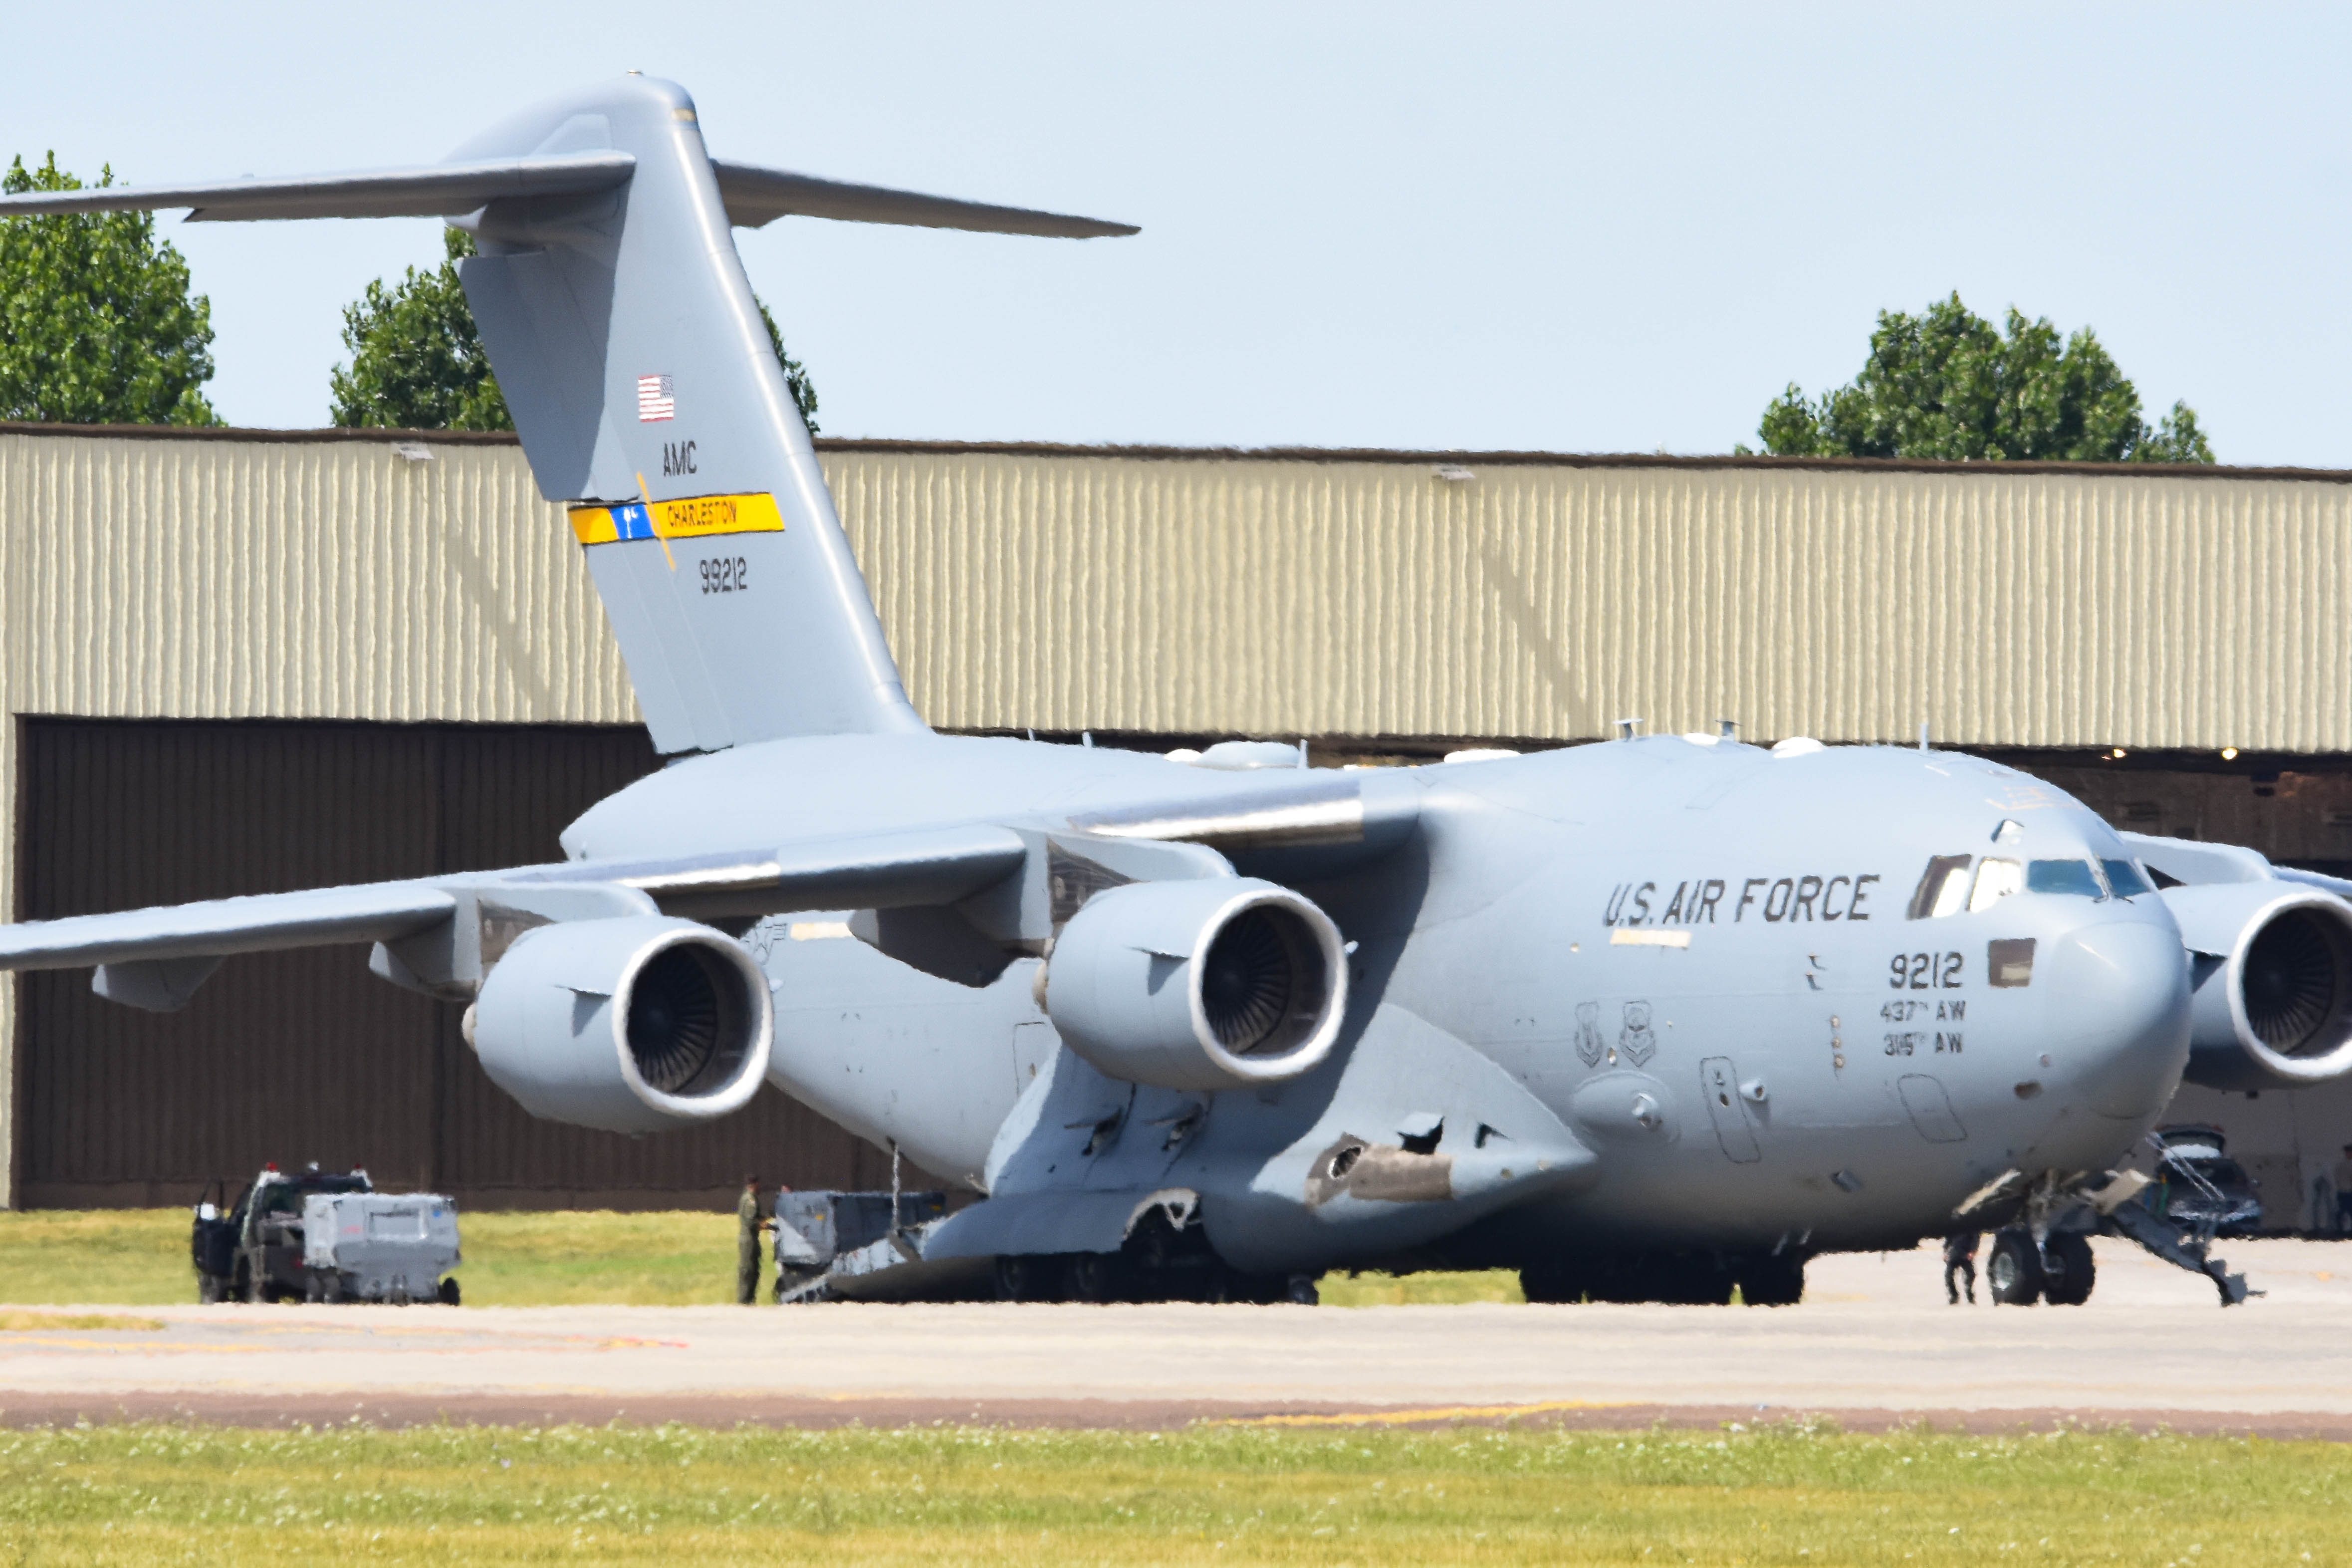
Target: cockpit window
x=1996, y=880
x=2080, y=878
x=1943, y=890
x=2124, y=877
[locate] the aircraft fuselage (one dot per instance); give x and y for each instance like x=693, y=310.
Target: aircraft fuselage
x=1716, y=965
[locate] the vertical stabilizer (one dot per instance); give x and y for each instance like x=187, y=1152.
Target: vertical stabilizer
x=649, y=397
x=633, y=357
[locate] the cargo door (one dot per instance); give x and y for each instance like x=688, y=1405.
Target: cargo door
x=1720, y=1082
x=1930, y=1109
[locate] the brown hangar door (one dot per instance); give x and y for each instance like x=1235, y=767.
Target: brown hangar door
x=304, y=1056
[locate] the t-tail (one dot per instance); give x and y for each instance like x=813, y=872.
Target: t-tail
x=624, y=336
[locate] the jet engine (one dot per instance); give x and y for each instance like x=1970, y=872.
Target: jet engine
x=1214, y=984
x=2273, y=1005
x=631, y=1025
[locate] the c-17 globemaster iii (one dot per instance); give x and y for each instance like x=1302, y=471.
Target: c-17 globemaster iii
x=1648, y=1019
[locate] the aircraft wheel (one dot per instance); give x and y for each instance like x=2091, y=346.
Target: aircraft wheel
x=1550, y=1287
x=1019, y=1278
x=1772, y=1280
x=2068, y=1279
x=1696, y=1282
x=448, y=1294
x=2013, y=1270
x=314, y=1290
x=1098, y=1277
x=1299, y=1290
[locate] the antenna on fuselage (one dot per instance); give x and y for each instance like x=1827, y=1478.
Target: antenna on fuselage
x=1729, y=728
x=1625, y=728
x=1923, y=735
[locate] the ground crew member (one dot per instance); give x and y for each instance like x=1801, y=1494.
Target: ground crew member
x=749, y=1223
x=1961, y=1259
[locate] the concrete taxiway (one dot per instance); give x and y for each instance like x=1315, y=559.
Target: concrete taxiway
x=1872, y=1342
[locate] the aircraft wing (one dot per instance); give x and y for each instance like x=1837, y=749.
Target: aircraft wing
x=263, y=923
x=868, y=870
x=434, y=189
x=756, y=196
x=871, y=871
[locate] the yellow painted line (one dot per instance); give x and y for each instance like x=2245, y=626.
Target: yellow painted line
x=1430, y=1412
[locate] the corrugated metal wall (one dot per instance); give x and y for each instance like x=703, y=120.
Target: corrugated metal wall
x=298, y=1056
x=226, y=578
x=1286, y=596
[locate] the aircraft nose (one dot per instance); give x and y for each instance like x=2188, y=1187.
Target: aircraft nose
x=2117, y=1001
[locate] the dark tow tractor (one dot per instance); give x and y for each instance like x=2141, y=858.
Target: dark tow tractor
x=252, y=1251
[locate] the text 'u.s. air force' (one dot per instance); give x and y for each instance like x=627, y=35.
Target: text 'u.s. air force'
x=1711, y=901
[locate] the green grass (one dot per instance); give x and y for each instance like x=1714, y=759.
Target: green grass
x=1789, y=1496
x=1419, y=1289
x=140, y=1257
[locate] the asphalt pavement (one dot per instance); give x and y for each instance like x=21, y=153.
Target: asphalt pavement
x=1872, y=1342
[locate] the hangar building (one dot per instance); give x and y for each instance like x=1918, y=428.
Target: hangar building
x=238, y=661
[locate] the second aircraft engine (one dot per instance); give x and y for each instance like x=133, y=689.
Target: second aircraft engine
x=632, y=1025
x=2272, y=1007
x=1214, y=984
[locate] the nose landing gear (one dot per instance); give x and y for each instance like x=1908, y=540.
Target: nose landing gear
x=2060, y=1272
x=2036, y=1262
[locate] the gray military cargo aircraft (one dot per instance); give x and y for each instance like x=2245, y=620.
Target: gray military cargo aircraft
x=1646, y=1020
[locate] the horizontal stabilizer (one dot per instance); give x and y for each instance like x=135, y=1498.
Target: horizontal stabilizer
x=438, y=189
x=263, y=923
x=755, y=196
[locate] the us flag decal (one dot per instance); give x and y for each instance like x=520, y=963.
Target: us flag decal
x=656, y=398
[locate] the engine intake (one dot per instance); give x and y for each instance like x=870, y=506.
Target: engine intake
x=634, y=1025
x=2272, y=1007
x=1214, y=984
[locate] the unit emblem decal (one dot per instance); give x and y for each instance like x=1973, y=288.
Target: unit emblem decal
x=1588, y=1033
x=1636, y=1041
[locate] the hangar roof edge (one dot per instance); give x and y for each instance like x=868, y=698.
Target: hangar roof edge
x=1248, y=453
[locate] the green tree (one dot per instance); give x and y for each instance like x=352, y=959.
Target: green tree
x=417, y=361
x=1946, y=384
x=96, y=325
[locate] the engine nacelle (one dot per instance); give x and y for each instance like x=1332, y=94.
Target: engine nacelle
x=1214, y=984
x=632, y=1025
x=2272, y=1007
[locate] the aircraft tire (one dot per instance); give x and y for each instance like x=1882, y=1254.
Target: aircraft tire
x=2013, y=1270
x=1029, y=1277
x=1550, y=1287
x=447, y=1294
x=1692, y=1281
x=1098, y=1277
x=1772, y=1280
x=2068, y=1281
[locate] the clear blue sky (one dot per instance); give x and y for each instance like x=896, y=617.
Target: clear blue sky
x=1526, y=226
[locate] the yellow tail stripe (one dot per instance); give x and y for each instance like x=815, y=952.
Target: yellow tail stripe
x=697, y=517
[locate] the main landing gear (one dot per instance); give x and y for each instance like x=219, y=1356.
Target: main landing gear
x=1159, y=1263
x=1696, y=1279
